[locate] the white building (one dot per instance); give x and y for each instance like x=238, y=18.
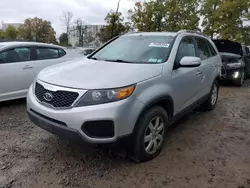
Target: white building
x=6, y=25
x=91, y=30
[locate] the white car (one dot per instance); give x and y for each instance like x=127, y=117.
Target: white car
x=20, y=62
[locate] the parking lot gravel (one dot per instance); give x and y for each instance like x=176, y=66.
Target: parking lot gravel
x=204, y=149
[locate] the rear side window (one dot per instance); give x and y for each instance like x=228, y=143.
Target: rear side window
x=15, y=55
x=44, y=53
x=212, y=50
x=203, y=48
x=61, y=52
x=247, y=50
x=186, y=48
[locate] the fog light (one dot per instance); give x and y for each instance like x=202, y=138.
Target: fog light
x=236, y=74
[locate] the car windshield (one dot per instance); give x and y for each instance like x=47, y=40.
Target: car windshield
x=137, y=49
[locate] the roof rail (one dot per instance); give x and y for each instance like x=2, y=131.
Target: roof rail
x=194, y=32
x=132, y=32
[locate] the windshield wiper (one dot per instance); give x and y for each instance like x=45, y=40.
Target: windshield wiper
x=118, y=60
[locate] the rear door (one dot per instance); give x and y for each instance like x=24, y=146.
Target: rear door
x=209, y=59
x=16, y=72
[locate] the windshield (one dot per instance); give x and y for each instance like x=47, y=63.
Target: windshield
x=137, y=49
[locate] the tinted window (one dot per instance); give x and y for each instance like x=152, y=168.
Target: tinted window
x=137, y=49
x=247, y=50
x=49, y=53
x=186, y=48
x=212, y=50
x=15, y=55
x=203, y=48
x=61, y=52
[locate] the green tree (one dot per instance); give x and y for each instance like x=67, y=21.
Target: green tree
x=1, y=34
x=63, y=39
x=113, y=28
x=211, y=13
x=161, y=15
x=225, y=19
x=141, y=16
x=36, y=29
x=182, y=14
x=10, y=33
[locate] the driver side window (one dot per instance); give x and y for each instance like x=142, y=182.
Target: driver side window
x=186, y=48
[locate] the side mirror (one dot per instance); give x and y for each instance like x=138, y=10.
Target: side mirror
x=188, y=61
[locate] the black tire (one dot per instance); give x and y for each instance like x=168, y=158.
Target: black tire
x=241, y=79
x=138, y=152
x=209, y=104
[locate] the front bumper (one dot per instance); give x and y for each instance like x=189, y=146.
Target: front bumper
x=68, y=122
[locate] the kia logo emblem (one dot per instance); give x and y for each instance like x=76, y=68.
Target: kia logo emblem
x=48, y=97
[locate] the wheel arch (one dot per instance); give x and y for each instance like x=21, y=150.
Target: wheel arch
x=166, y=102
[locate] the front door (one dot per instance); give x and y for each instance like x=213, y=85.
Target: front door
x=16, y=72
x=186, y=82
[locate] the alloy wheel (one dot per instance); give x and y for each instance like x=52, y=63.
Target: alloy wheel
x=214, y=95
x=154, y=135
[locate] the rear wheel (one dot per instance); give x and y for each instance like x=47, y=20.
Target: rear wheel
x=149, y=134
x=211, y=102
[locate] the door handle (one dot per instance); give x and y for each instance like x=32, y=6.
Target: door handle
x=198, y=73
x=27, y=67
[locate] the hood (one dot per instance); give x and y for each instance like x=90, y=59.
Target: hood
x=229, y=57
x=93, y=74
x=228, y=46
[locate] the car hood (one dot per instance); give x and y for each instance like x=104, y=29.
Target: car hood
x=229, y=57
x=228, y=46
x=93, y=74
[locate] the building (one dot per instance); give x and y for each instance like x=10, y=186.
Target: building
x=91, y=32
x=6, y=25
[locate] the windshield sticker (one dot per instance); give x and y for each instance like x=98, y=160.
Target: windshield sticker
x=161, y=45
x=155, y=60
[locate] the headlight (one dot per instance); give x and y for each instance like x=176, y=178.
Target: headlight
x=94, y=97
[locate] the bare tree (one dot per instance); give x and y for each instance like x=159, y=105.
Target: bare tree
x=66, y=19
x=81, y=30
x=115, y=19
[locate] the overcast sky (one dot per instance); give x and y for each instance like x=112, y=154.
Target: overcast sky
x=92, y=11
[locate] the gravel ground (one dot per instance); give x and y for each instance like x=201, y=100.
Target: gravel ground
x=203, y=150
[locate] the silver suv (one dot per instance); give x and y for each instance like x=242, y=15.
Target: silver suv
x=133, y=87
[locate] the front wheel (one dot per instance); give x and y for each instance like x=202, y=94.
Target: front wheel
x=149, y=134
x=211, y=102
x=241, y=80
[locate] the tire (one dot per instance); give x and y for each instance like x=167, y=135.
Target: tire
x=211, y=102
x=241, y=80
x=146, y=135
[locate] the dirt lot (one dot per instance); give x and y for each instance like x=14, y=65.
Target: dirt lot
x=209, y=149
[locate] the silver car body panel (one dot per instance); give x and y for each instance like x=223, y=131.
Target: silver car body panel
x=184, y=86
x=15, y=78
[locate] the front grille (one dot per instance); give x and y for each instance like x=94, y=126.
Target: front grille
x=58, y=99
